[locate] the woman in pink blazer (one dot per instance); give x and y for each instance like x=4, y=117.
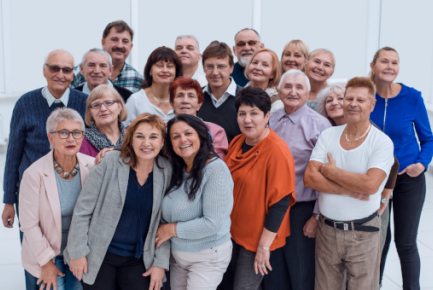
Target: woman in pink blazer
x=49, y=190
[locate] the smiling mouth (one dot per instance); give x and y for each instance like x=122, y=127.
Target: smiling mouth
x=146, y=150
x=186, y=146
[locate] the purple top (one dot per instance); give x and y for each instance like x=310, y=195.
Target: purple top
x=88, y=149
x=300, y=130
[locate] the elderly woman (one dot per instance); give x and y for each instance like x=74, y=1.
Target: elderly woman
x=162, y=67
x=264, y=71
x=263, y=172
x=112, y=240
x=49, y=190
x=186, y=97
x=319, y=68
x=104, y=113
x=402, y=115
x=197, y=207
x=295, y=55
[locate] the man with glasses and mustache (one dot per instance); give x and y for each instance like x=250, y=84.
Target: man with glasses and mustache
x=27, y=139
x=117, y=41
x=247, y=41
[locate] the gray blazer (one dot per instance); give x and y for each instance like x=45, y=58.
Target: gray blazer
x=98, y=211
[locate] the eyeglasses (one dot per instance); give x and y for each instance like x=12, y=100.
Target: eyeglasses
x=105, y=103
x=250, y=43
x=210, y=67
x=55, y=69
x=64, y=134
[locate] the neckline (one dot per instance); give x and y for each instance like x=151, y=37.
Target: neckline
x=155, y=107
x=362, y=144
x=399, y=95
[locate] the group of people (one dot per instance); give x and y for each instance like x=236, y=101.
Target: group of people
x=259, y=174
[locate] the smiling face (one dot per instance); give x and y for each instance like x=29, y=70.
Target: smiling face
x=293, y=92
x=246, y=43
x=387, y=66
x=57, y=83
x=293, y=59
x=163, y=72
x=106, y=115
x=357, y=105
x=117, y=44
x=252, y=123
x=69, y=146
x=334, y=105
x=320, y=67
x=260, y=69
x=185, y=102
x=185, y=141
x=96, y=69
x=147, y=141
x=219, y=75
x=187, y=51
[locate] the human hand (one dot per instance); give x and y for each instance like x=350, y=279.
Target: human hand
x=164, y=233
x=326, y=168
x=78, y=267
x=360, y=196
x=101, y=154
x=261, y=261
x=156, y=276
x=382, y=208
x=49, y=276
x=8, y=215
x=310, y=227
x=413, y=170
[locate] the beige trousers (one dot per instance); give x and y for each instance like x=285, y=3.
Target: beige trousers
x=199, y=270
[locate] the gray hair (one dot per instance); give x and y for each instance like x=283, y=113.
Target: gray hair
x=60, y=115
x=252, y=29
x=338, y=87
x=188, y=36
x=294, y=73
x=100, y=51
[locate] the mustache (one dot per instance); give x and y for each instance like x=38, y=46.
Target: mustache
x=245, y=52
x=121, y=49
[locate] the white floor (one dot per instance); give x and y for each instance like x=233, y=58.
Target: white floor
x=12, y=273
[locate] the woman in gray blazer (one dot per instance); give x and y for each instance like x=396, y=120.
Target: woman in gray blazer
x=112, y=236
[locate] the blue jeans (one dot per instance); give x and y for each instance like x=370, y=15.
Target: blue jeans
x=69, y=281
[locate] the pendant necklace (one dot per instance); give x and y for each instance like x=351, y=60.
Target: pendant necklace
x=162, y=102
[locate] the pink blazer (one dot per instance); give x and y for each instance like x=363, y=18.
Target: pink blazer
x=40, y=215
x=220, y=143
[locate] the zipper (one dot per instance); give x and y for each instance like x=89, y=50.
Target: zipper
x=384, y=116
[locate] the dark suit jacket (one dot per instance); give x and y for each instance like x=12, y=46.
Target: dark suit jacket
x=124, y=93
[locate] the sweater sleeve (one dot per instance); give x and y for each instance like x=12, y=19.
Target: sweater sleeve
x=14, y=155
x=423, y=130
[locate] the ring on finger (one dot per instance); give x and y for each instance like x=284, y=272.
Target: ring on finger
x=262, y=265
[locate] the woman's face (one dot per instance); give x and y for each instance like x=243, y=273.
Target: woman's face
x=70, y=145
x=185, y=141
x=334, y=105
x=106, y=112
x=293, y=59
x=260, y=68
x=252, y=122
x=320, y=67
x=185, y=101
x=387, y=66
x=147, y=141
x=163, y=72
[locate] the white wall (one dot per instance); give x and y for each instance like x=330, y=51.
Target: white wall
x=2, y=78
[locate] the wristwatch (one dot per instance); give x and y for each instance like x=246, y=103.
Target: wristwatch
x=317, y=216
x=384, y=201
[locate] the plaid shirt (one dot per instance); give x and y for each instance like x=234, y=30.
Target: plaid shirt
x=128, y=78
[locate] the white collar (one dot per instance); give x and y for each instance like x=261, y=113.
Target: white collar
x=87, y=90
x=231, y=90
x=51, y=99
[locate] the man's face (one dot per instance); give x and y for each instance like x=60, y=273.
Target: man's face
x=246, y=43
x=187, y=51
x=58, y=82
x=117, y=44
x=293, y=92
x=96, y=69
x=357, y=105
x=217, y=71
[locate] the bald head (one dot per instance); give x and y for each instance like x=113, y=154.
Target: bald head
x=58, y=71
x=60, y=54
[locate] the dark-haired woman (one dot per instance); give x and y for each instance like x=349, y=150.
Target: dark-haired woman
x=162, y=67
x=112, y=235
x=197, y=207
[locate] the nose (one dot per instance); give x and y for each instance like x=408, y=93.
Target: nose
x=215, y=70
x=70, y=137
x=291, y=58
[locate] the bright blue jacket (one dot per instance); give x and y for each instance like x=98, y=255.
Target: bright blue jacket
x=397, y=117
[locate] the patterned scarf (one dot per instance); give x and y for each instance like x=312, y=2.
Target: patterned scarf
x=100, y=141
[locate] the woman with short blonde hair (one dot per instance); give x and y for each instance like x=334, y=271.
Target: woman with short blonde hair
x=295, y=55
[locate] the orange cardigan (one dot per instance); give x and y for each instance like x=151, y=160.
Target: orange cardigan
x=262, y=177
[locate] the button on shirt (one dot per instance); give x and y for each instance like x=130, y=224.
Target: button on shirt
x=230, y=92
x=300, y=130
x=51, y=99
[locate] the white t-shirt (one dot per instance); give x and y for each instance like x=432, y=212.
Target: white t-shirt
x=375, y=152
x=138, y=103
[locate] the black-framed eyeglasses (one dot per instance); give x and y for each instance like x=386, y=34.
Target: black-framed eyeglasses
x=55, y=69
x=105, y=103
x=64, y=134
x=250, y=43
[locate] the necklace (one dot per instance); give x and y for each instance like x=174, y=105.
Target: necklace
x=363, y=135
x=162, y=102
x=59, y=169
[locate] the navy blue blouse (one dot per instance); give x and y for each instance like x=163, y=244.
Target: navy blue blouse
x=131, y=231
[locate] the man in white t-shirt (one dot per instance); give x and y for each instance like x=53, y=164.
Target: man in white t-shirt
x=349, y=166
x=188, y=51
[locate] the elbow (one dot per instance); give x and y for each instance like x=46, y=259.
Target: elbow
x=309, y=179
x=371, y=188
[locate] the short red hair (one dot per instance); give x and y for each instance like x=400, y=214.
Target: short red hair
x=362, y=82
x=186, y=83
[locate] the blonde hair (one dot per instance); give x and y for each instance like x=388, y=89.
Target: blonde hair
x=100, y=92
x=299, y=45
x=276, y=69
x=376, y=56
x=323, y=50
x=338, y=88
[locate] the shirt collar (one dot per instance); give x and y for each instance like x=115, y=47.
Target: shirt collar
x=87, y=90
x=51, y=99
x=231, y=90
x=295, y=116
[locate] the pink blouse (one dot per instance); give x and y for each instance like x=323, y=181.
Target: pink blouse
x=220, y=142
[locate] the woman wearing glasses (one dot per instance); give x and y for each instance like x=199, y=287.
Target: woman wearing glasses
x=49, y=190
x=105, y=111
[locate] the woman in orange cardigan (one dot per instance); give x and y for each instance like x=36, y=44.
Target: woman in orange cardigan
x=263, y=172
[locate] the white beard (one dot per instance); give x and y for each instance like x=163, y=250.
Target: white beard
x=243, y=61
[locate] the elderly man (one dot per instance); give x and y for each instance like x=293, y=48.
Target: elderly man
x=188, y=51
x=219, y=95
x=96, y=67
x=300, y=127
x=349, y=166
x=117, y=41
x=27, y=139
x=247, y=41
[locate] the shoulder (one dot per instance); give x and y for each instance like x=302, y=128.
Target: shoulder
x=77, y=94
x=412, y=95
x=275, y=144
x=137, y=95
x=276, y=115
x=131, y=68
x=36, y=167
x=164, y=163
x=216, y=166
x=29, y=96
x=380, y=138
x=318, y=119
x=332, y=133
x=214, y=128
x=112, y=159
x=85, y=158
x=122, y=91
